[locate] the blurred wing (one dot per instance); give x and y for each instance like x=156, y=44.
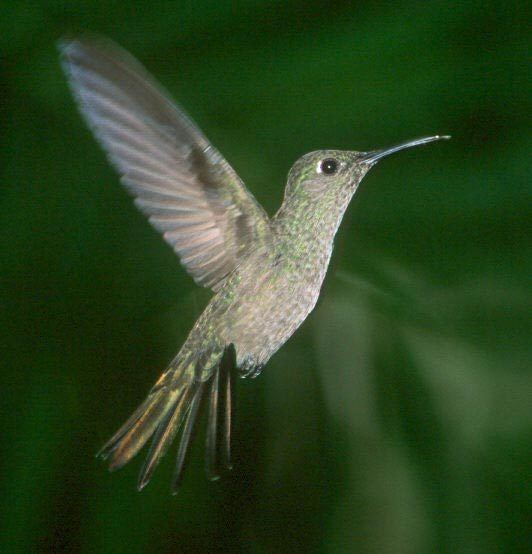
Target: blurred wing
x=182, y=183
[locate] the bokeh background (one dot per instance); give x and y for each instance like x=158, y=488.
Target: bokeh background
x=398, y=418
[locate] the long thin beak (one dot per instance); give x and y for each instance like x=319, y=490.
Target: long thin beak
x=375, y=155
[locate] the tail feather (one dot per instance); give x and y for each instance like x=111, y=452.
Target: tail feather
x=227, y=366
x=212, y=439
x=185, y=438
x=132, y=441
x=165, y=434
x=173, y=403
x=111, y=444
x=218, y=438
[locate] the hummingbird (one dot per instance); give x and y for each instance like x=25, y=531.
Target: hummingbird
x=265, y=273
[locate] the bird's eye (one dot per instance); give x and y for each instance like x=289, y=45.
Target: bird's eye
x=329, y=166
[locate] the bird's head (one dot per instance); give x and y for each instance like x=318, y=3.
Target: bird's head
x=337, y=173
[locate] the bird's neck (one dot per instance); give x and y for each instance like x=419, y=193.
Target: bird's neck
x=305, y=228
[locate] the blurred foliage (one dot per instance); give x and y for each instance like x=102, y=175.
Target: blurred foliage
x=397, y=419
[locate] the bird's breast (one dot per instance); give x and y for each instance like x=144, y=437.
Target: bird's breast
x=273, y=296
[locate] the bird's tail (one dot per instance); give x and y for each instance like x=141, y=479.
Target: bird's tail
x=172, y=406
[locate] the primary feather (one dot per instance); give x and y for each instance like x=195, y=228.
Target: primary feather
x=179, y=180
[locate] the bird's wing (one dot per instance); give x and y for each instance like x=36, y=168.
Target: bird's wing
x=179, y=180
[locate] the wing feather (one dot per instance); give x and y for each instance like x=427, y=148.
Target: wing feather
x=180, y=182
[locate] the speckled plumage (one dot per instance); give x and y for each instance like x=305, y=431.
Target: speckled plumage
x=274, y=287
x=266, y=274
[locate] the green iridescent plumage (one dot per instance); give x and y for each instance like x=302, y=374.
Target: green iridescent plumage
x=266, y=273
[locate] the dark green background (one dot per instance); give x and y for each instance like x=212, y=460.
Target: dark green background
x=397, y=419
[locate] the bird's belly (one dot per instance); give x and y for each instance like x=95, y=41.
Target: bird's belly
x=266, y=313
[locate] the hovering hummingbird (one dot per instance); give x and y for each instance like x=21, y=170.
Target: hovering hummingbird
x=266, y=273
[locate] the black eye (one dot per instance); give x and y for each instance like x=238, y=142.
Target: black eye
x=329, y=166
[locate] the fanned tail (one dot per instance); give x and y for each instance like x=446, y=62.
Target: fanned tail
x=172, y=404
